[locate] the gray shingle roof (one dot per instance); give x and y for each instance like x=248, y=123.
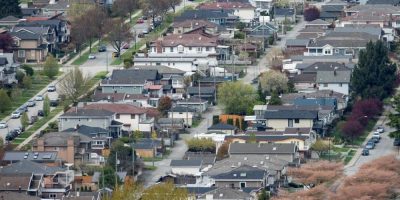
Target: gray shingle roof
x=318, y=22
x=269, y=138
x=297, y=42
x=26, y=166
x=182, y=109
x=225, y=194
x=242, y=172
x=59, y=139
x=222, y=126
x=206, y=157
x=332, y=8
x=3, y=61
x=185, y=163
x=76, y=112
x=87, y=130
x=343, y=39
x=266, y=148
x=25, y=35
x=130, y=76
x=160, y=68
x=290, y=114
x=373, y=30
x=333, y=76
x=203, y=90
x=283, y=12
x=390, y=2
x=20, y=155
x=9, y=18
x=303, y=78
x=202, y=14
x=170, y=121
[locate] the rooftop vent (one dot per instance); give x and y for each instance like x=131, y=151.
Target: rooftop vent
x=234, y=175
x=243, y=174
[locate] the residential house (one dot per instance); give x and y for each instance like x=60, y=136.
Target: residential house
x=311, y=33
x=220, y=17
x=287, y=152
x=331, y=12
x=186, y=167
x=281, y=119
x=61, y=28
x=262, y=5
x=132, y=117
x=297, y=45
x=206, y=158
x=147, y=148
x=8, y=69
x=222, y=193
x=57, y=8
x=9, y=21
x=241, y=177
x=341, y=99
x=171, y=124
x=224, y=128
x=284, y=14
x=319, y=23
x=245, y=11
x=129, y=81
x=104, y=119
x=199, y=105
x=189, y=25
x=387, y=2
x=207, y=93
x=304, y=82
x=185, y=113
x=264, y=31
x=47, y=33
x=164, y=71
x=29, y=47
x=337, y=81
x=39, y=157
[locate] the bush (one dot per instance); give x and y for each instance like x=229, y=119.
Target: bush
x=311, y=13
x=28, y=70
x=201, y=145
x=238, y=35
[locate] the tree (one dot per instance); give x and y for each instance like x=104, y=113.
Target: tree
x=374, y=75
x=165, y=191
x=274, y=57
x=120, y=33
x=274, y=81
x=137, y=135
x=311, y=13
x=46, y=106
x=173, y=3
x=223, y=150
x=154, y=135
x=74, y=84
x=27, y=82
x=124, y=7
x=107, y=177
x=201, y=145
x=10, y=7
x=352, y=129
x=240, y=26
x=28, y=70
x=24, y=120
x=164, y=104
x=6, y=41
x=236, y=97
x=282, y=3
x=263, y=195
x=77, y=9
x=320, y=147
x=51, y=67
x=129, y=191
x=275, y=99
x=19, y=75
x=154, y=8
x=5, y=101
x=394, y=118
x=123, y=153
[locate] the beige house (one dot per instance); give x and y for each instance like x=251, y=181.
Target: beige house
x=29, y=47
x=189, y=25
x=281, y=119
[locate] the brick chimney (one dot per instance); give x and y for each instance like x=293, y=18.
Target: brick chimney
x=40, y=145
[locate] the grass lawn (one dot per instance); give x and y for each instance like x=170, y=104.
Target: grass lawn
x=196, y=122
x=156, y=159
x=368, y=129
x=349, y=156
x=147, y=167
x=38, y=83
x=84, y=57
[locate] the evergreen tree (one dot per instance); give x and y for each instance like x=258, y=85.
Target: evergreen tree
x=10, y=7
x=374, y=75
x=5, y=101
x=46, y=106
x=24, y=120
x=275, y=99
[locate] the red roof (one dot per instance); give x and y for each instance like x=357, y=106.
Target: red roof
x=224, y=5
x=154, y=87
x=31, y=19
x=117, y=108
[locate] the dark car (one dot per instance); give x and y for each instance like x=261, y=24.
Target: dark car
x=365, y=152
x=9, y=137
x=374, y=140
x=370, y=145
x=53, y=103
x=40, y=113
x=23, y=108
x=396, y=142
x=102, y=48
x=33, y=119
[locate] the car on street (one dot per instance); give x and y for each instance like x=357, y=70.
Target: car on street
x=380, y=129
x=3, y=125
x=140, y=21
x=376, y=135
x=370, y=145
x=23, y=108
x=365, y=152
x=40, y=113
x=16, y=115
x=125, y=46
x=115, y=54
x=39, y=98
x=33, y=119
x=92, y=56
x=102, y=48
x=10, y=136
x=54, y=103
x=31, y=103
x=396, y=142
x=51, y=88
x=375, y=140
x=145, y=31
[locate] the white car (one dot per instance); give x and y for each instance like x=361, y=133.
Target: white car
x=3, y=125
x=376, y=135
x=15, y=115
x=91, y=56
x=380, y=129
x=39, y=98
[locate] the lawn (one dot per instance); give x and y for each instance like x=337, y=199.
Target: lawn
x=196, y=122
x=349, y=156
x=85, y=56
x=371, y=124
x=38, y=83
x=156, y=159
x=147, y=167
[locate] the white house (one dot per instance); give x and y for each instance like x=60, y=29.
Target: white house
x=245, y=11
x=337, y=81
x=184, y=113
x=186, y=167
x=261, y=4
x=224, y=128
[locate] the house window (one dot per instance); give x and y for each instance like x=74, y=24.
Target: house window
x=190, y=48
x=327, y=52
x=296, y=121
x=340, y=84
x=132, y=116
x=117, y=116
x=242, y=184
x=53, y=196
x=207, y=48
x=290, y=122
x=158, y=63
x=198, y=49
x=325, y=84
x=21, y=53
x=163, y=49
x=349, y=52
x=336, y=50
x=171, y=49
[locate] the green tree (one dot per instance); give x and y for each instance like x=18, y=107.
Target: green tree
x=10, y=7
x=28, y=70
x=275, y=99
x=263, y=195
x=51, y=67
x=46, y=106
x=5, y=101
x=154, y=135
x=27, y=82
x=374, y=75
x=236, y=97
x=274, y=81
x=107, y=177
x=215, y=119
x=165, y=191
x=320, y=147
x=124, y=155
x=137, y=135
x=19, y=75
x=24, y=120
x=74, y=84
x=394, y=118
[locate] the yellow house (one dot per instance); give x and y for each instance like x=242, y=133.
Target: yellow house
x=279, y=120
x=29, y=47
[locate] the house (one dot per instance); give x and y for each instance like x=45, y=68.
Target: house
x=39, y=157
x=199, y=105
x=61, y=28
x=47, y=34
x=28, y=47
x=132, y=117
x=206, y=158
x=337, y=81
x=319, y=23
x=171, y=124
x=224, y=128
x=189, y=25
x=164, y=71
x=227, y=193
x=331, y=12
x=73, y=147
x=186, y=167
x=287, y=152
x=245, y=11
x=387, y=2
x=58, y=8
x=207, y=93
x=284, y=14
x=8, y=69
x=185, y=113
x=297, y=44
x=380, y=14
x=262, y=5
x=304, y=82
x=241, y=177
x=220, y=17
x=281, y=119
x=311, y=33
x=263, y=30
x=147, y=148
x=9, y=21
x=129, y=81
x=341, y=99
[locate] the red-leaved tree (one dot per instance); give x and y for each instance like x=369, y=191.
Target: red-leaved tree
x=6, y=42
x=368, y=107
x=352, y=129
x=311, y=13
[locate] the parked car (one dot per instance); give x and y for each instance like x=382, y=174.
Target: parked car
x=370, y=145
x=31, y=103
x=9, y=136
x=125, y=46
x=380, y=129
x=365, y=152
x=115, y=54
x=40, y=113
x=144, y=17
x=396, y=142
x=3, y=125
x=375, y=140
x=102, y=48
x=23, y=108
x=140, y=21
x=39, y=98
x=33, y=119
x=91, y=56
x=145, y=31
x=53, y=103
x=140, y=35
x=377, y=136
x=51, y=88
x=16, y=115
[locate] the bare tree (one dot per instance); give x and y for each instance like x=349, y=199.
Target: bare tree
x=154, y=8
x=120, y=33
x=173, y=3
x=124, y=7
x=74, y=84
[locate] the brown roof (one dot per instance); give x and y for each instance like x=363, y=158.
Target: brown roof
x=14, y=181
x=195, y=40
x=136, y=96
x=117, y=108
x=224, y=5
x=194, y=23
x=152, y=112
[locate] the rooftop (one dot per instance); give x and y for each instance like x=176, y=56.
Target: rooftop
x=118, y=108
x=225, y=5
x=190, y=23
x=242, y=172
x=181, y=109
x=290, y=114
x=130, y=76
x=43, y=156
x=318, y=22
x=28, y=167
x=225, y=193
x=333, y=76
x=191, y=39
x=222, y=126
x=261, y=148
x=160, y=68
x=79, y=112
x=186, y=163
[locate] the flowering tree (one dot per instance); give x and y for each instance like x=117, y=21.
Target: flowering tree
x=352, y=129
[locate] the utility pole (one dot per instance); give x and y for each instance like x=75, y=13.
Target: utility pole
x=116, y=169
x=133, y=162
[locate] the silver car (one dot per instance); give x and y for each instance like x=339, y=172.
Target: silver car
x=3, y=125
